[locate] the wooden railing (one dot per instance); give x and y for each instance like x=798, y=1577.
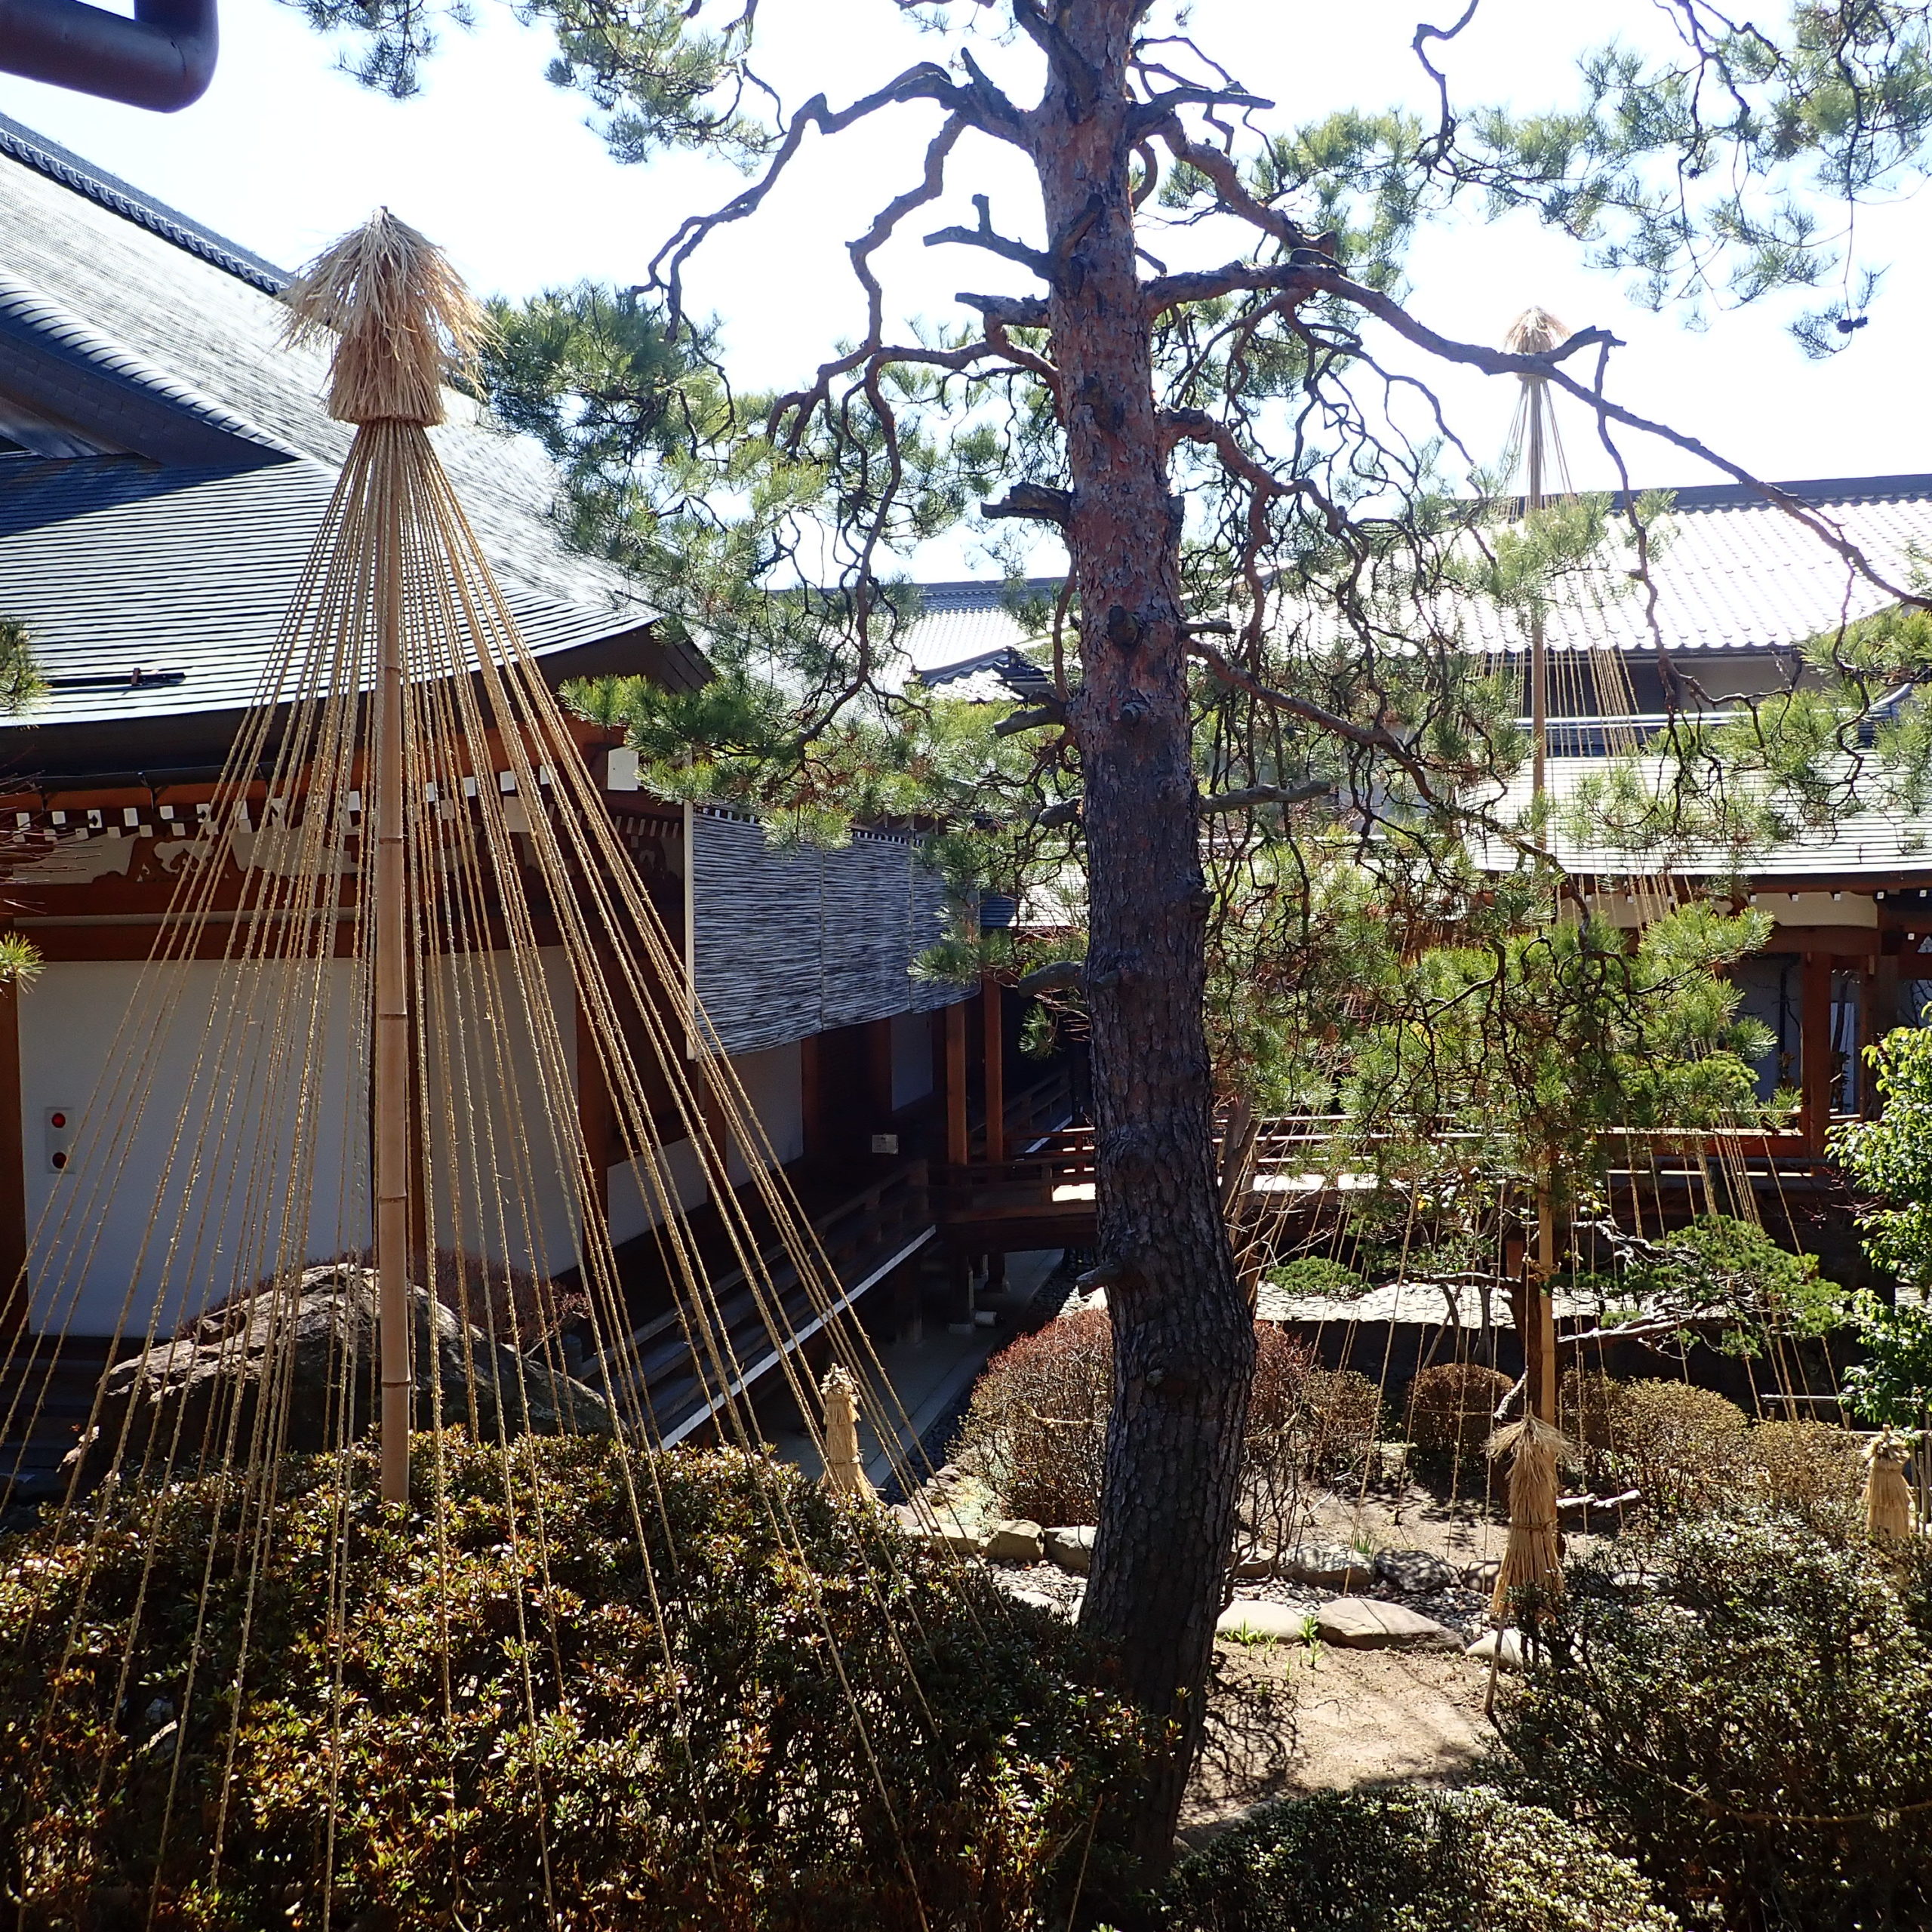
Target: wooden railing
x=862, y=1236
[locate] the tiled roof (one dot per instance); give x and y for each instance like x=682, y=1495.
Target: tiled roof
x=62, y=164
x=150, y=311
x=966, y=621
x=80, y=541
x=1881, y=841
x=1732, y=573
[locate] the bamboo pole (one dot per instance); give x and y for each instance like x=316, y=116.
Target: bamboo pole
x=391, y=1099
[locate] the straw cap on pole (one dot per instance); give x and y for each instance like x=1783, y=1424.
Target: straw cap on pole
x=402, y=319
x=1535, y=332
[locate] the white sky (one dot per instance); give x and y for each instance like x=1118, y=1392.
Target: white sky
x=284, y=153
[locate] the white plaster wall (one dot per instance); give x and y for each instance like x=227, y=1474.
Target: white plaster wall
x=189, y=1105
x=911, y=1058
x=774, y=1084
x=503, y=1154
x=218, y=1138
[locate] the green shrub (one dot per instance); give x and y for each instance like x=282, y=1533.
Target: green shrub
x=1683, y=1446
x=1316, y=1275
x=521, y=1733
x=1586, y=1412
x=1451, y=1409
x=1753, y=1732
x=1409, y=1861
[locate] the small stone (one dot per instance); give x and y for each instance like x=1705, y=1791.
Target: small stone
x=1481, y=1577
x=1014, y=1539
x=1414, y=1572
x=1255, y=1620
x=1504, y=1646
x=1328, y=1566
x=1072, y=1548
x=1366, y=1623
x=1261, y=1563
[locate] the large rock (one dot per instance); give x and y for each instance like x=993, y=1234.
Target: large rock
x=1328, y=1566
x=1367, y=1624
x=1414, y=1572
x=1256, y=1620
x=1072, y=1549
x=1013, y=1540
x=297, y=1340
x=1505, y=1647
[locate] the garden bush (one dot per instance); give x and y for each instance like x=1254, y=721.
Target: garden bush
x=1813, y=1470
x=1317, y=1275
x=1451, y=1408
x=1409, y=1861
x=1683, y=1446
x=1586, y=1412
x=1755, y=1731
x=1036, y=1427
x=521, y=1733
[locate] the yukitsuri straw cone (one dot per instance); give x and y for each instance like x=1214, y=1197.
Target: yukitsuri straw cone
x=1535, y=1450
x=399, y=320
x=845, y=1473
x=1887, y=1494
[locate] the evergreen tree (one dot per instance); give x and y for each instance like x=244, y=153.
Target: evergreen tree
x=1258, y=555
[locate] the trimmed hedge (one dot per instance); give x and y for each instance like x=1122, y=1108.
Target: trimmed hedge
x=1409, y=1861
x=520, y=1733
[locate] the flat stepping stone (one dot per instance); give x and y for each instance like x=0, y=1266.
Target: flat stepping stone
x=1256, y=1620
x=1367, y=1624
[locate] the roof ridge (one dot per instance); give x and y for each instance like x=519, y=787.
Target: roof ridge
x=21, y=144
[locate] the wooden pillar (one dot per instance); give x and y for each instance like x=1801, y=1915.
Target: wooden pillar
x=993, y=1046
x=594, y=1116
x=1814, y=1049
x=13, y=1172
x=711, y=1109
x=957, y=1147
x=878, y=1074
x=811, y=1096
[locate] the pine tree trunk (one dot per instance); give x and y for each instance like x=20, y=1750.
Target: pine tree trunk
x=1183, y=1341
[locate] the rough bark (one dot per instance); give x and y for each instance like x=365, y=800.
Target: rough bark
x=1183, y=1341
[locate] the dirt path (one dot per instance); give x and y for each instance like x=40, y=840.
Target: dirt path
x=1284, y=1723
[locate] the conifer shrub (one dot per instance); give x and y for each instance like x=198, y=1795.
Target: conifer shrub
x=504, y=1726
x=1451, y=1409
x=1754, y=1729
x=1409, y=1861
x=1317, y=1275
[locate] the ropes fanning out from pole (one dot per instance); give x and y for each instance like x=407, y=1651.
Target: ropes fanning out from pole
x=405, y=940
